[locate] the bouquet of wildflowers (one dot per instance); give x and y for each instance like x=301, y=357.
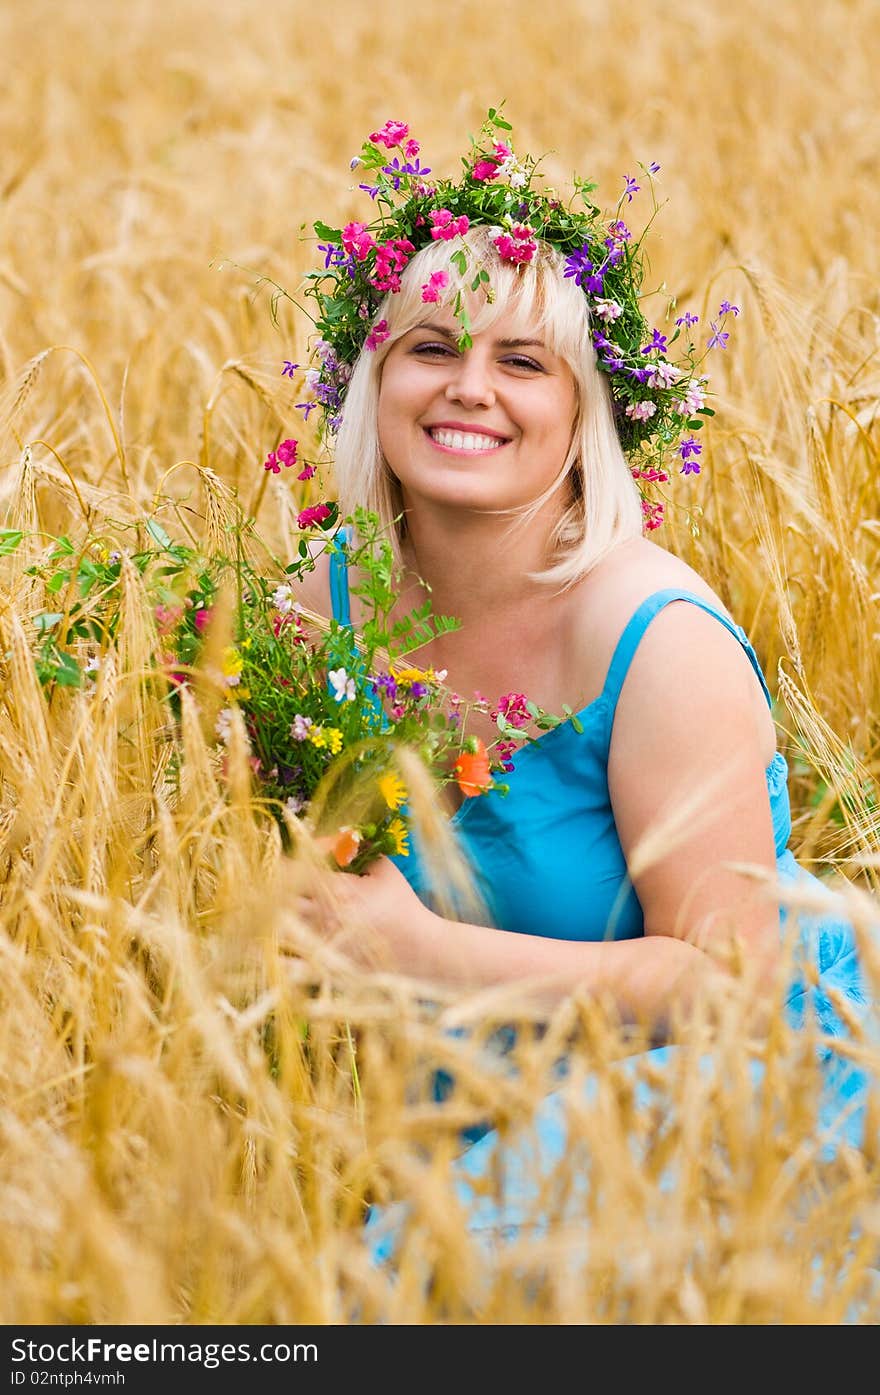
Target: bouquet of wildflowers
x=325, y=711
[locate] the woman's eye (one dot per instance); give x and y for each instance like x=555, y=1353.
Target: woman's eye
x=519, y=362
x=423, y=349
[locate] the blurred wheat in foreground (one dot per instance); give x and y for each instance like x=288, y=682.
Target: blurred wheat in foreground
x=200, y=1099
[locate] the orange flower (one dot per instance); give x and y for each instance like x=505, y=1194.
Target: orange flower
x=471, y=770
x=345, y=846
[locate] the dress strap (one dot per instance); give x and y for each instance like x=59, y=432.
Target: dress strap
x=639, y=622
x=339, y=598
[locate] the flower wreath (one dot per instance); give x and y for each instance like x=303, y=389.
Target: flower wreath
x=655, y=400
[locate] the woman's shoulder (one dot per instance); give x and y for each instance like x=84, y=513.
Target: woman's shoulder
x=682, y=644
x=628, y=576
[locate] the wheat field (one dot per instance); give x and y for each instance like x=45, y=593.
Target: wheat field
x=199, y=1099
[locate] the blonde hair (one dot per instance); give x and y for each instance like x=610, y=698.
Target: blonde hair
x=604, y=508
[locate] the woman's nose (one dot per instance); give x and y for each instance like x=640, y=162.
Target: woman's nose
x=471, y=382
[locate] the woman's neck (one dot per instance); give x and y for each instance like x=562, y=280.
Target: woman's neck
x=473, y=563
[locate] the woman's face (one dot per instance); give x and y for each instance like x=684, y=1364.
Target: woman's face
x=483, y=429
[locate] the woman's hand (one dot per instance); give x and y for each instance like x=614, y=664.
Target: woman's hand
x=376, y=918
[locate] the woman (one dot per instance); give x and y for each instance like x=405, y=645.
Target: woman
x=497, y=433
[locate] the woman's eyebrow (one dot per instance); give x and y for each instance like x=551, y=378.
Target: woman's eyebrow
x=500, y=343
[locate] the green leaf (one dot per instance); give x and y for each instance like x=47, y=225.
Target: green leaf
x=577, y=724
x=158, y=534
x=46, y=620
x=459, y=259
x=57, y=580
x=707, y=411
x=9, y=540
x=67, y=673
x=327, y=233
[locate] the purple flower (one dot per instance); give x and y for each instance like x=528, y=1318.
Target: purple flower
x=371, y=189
x=653, y=167
x=578, y=264
x=658, y=342
x=614, y=365
x=687, y=320
x=383, y=682
x=601, y=342
x=417, y=690
x=718, y=338
x=690, y=467
x=395, y=169
x=631, y=187
x=334, y=255
x=688, y=448
x=306, y=408
x=641, y=375
x=288, y=369
x=725, y=308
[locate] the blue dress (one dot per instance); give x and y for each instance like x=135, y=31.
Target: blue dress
x=555, y=829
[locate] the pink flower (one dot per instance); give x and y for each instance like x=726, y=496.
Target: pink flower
x=285, y=454
x=391, y=134
x=487, y=167
x=513, y=707
x=378, y=334
x=357, y=240
x=640, y=411
x=315, y=513
x=652, y=516
x=518, y=245
x=306, y=472
x=446, y=225
x=504, y=751
x=436, y=282
x=391, y=258
x=202, y=618
x=167, y=617
x=411, y=149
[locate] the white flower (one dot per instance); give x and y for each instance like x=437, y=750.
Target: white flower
x=692, y=401
x=640, y=411
x=608, y=310
x=223, y=725
x=663, y=374
x=282, y=599
x=343, y=686
x=93, y=665
x=299, y=728
x=293, y=804
x=513, y=172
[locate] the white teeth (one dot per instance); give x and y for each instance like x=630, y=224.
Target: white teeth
x=464, y=440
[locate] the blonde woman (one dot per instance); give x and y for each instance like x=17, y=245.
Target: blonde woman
x=501, y=431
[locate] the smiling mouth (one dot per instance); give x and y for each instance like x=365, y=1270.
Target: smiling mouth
x=464, y=442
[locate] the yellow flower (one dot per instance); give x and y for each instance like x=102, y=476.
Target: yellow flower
x=239, y=694
x=326, y=737
x=400, y=833
x=407, y=676
x=392, y=789
x=246, y=643
x=233, y=663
